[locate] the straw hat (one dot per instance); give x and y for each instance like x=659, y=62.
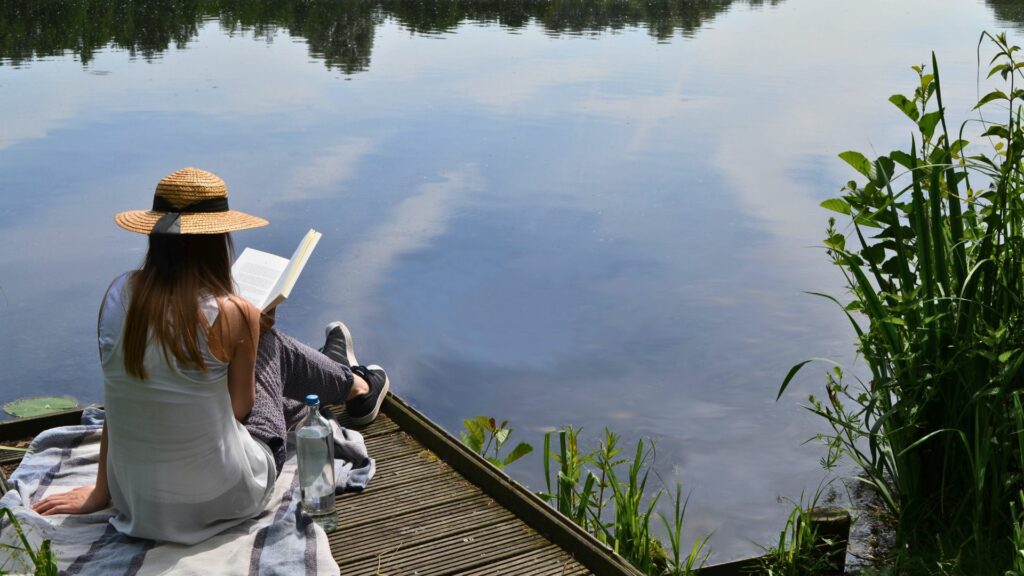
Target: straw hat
x=189, y=201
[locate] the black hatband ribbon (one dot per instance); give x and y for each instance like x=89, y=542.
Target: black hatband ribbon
x=170, y=223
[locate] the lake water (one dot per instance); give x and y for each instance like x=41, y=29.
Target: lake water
x=551, y=213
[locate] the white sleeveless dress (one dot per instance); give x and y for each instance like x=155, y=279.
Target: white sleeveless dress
x=179, y=466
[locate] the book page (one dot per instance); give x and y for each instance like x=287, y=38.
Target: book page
x=290, y=274
x=256, y=274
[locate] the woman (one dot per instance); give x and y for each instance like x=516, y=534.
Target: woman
x=199, y=388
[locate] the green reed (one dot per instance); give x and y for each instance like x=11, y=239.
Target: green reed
x=1017, y=538
x=933, y=256
x=799, y=550
x=43, y=562
x=610, y=496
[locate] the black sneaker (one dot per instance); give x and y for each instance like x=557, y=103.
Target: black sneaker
x=363, y=409
x=338, y=345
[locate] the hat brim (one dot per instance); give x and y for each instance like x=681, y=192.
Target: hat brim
x=142, y=221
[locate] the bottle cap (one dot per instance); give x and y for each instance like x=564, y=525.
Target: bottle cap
x=312, y=400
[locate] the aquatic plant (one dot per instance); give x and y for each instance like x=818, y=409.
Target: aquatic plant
x=486, y=437
x=602, y=492
x=680, y=563
x=39, y=405
x=799, y=550
x=609, y=496
x=934, y=263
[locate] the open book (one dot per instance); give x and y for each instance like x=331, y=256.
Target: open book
x=266, y=280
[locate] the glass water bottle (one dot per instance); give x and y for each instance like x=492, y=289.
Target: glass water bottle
x=314, y=444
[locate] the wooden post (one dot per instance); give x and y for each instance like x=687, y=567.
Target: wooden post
x=832, y=531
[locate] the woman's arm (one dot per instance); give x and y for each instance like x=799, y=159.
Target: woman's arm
x=84, y=499
x=239, y=324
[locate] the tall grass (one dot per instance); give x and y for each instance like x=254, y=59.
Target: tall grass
x=41, y=560
x=801, y=549
x=933, y=255
x=610, y=495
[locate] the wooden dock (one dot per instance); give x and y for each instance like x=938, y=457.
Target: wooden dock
x=435, y=507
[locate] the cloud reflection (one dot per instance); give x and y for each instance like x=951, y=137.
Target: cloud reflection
x=410, y=226
x=325, y=173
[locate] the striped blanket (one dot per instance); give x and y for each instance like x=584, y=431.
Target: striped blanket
x=281, y=541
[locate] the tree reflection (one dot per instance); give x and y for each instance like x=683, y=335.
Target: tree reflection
x=339, y=32
x=1008, y=11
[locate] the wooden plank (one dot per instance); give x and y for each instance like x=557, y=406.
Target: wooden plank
x=374, y=506
x=454, y=553
x=354, y=543
x=524, y=504
x=30, y=427
x=379, y=427
x=392, y=446
x=743, y=567
x=409, y=471
x=547, y=561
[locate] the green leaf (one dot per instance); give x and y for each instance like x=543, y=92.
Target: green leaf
x=928, y=122
x=837, y=205
x=474, y=433
x=39, y=405
x=991, y=97
x=867, y=220
x=997, y=130
x=906, y=105
x=1007, y=355
x=998, y=68
x=926, y=81
x=836, y=242
x=792, y=372
x=902, y=158
x=883, y=171
x=501, y=435
x=874, y=254
x=958, y=147
x=496, y=462
x=859, y=162
x=521, y=449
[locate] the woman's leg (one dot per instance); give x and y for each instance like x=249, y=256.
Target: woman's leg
x=305, y=370
x=286, y=371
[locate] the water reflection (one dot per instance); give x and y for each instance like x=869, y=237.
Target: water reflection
x=340, y=33
x=1010, y=11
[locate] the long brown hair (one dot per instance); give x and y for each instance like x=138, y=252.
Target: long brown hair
x=179, y=269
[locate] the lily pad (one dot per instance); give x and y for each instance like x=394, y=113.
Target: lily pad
x=39, y=405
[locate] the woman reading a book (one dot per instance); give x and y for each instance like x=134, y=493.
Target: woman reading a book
x=199, y=388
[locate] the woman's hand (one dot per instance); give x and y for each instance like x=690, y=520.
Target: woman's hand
x=81, y=500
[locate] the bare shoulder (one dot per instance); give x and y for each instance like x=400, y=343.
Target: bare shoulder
x=237, y=308
x=236, y=324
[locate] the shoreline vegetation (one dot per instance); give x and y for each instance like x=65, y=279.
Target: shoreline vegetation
x=604, y=491
x=932, y=250
x=614, y=495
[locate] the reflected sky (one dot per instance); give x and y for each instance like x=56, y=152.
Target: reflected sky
x=601, y=221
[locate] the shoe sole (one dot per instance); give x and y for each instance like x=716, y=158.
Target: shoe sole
x=350, y=348
x=363, y=420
